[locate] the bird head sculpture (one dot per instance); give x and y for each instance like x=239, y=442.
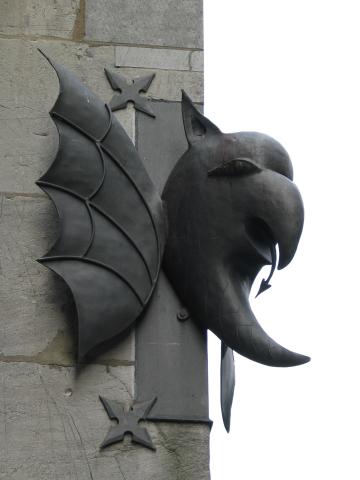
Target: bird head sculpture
x=230, y=200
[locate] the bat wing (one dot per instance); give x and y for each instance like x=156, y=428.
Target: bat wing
x=112, y=223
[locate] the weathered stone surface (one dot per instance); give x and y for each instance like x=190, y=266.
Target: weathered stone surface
x=38, y=318
x=52, y=423
x=39, y=17
x=163, y=58
x=182, y=453
x=197, y=61
x=28, y=146
x=29, y=85
x=154, y=22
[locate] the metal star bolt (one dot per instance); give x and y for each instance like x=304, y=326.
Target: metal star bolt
x=130, y=92
x=127, y=422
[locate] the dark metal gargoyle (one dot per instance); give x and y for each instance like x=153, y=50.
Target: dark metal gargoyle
x=229, y=200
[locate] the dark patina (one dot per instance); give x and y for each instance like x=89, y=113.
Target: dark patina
x=229, y=201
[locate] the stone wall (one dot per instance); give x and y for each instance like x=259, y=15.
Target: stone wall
x=51, y=420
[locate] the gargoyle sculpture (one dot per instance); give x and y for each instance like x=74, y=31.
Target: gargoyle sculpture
x=227, y=203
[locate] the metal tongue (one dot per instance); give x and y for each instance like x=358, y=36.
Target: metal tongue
x=265, y=285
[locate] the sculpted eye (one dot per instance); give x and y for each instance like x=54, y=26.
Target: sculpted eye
x=234, y=168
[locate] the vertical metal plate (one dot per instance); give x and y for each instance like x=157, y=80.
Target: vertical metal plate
x=171, y=356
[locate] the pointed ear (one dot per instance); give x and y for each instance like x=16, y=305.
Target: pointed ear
x=196, y=126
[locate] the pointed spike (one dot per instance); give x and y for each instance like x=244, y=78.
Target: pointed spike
x=142, y=437
x=117, y=81
x=145, y=108
x=196, y=126
x=110, y=439
x=227, y=384
x=185, y=97
x=143, y=83
x=115, y=105
x=263, y=287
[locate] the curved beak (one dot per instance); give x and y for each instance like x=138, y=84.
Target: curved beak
x=289, y=226
x=280, y=209
x=277, y=216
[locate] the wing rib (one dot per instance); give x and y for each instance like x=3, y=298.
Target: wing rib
x=113, y=225
x=95, y=262
x=143, y=200
x=101, y=211
x=127, y=174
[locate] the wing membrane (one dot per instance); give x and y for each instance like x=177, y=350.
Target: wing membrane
x=112, y=223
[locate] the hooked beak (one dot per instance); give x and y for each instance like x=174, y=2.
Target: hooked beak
x=288, y=229
x=279, y=219
x=279, y=216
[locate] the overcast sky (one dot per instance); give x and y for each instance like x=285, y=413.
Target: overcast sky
x=291, y=69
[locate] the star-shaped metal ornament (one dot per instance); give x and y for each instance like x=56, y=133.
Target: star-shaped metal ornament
x=127, y=422
x=130, y=92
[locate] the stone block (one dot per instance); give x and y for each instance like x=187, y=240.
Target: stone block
x=197, y=61
x=159, y=58
x=154, y=22
x=51, y=18
x=29, y=85
x=38, y=318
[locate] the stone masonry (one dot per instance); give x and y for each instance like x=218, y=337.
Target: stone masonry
x=51, y=420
